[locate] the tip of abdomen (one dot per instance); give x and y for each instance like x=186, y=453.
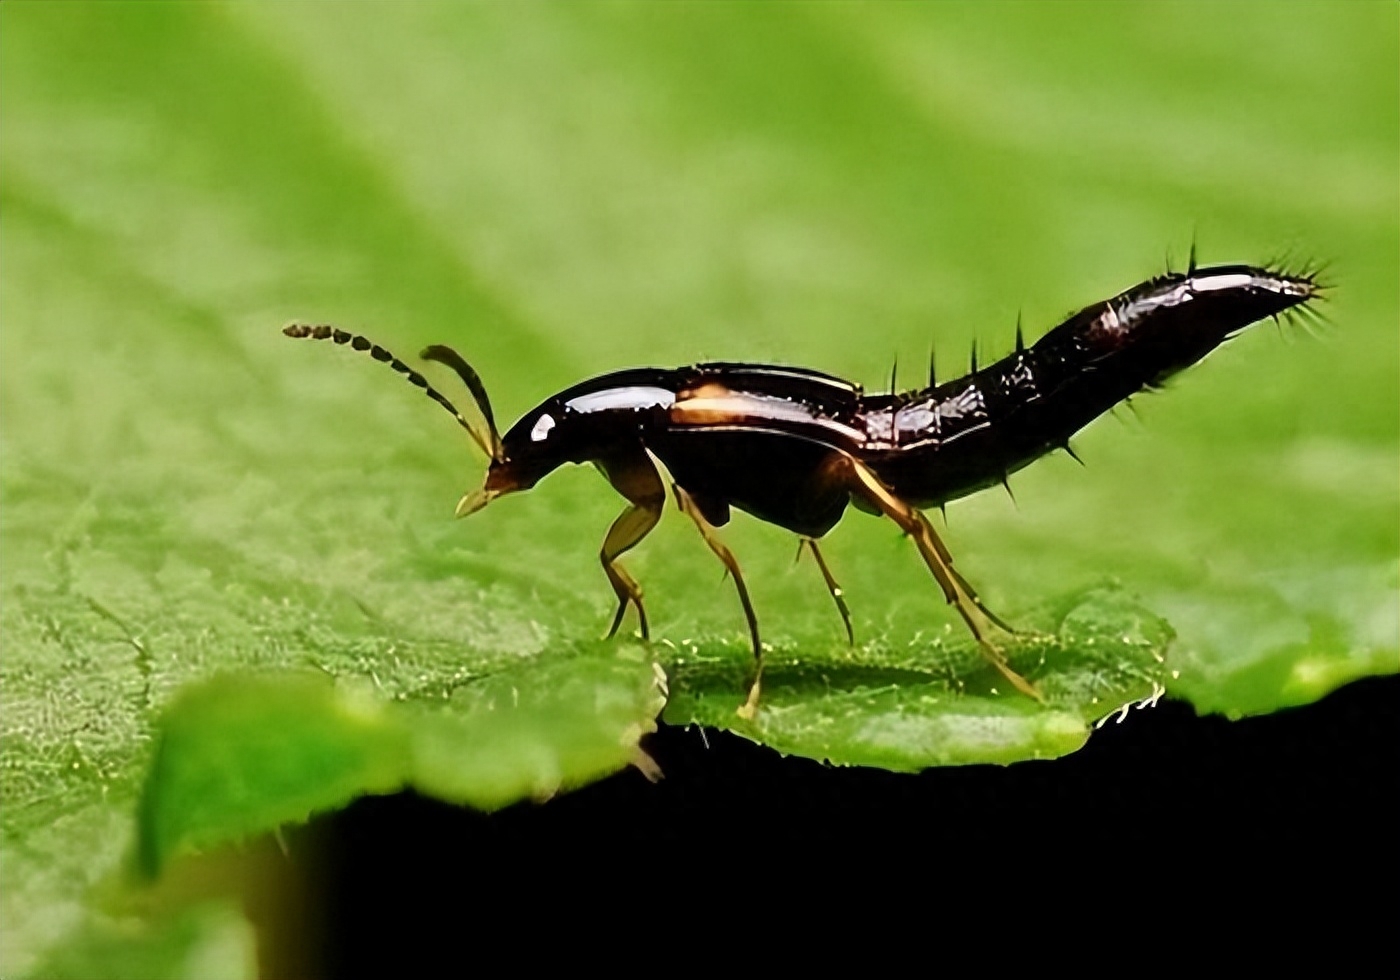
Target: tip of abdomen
x=1199, y=309
x=1261, y=285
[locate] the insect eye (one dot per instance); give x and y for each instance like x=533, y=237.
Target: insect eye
x=542, y=427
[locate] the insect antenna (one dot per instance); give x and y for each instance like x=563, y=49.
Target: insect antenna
x=932, y=372
x=448, y=356
x=973, y=360
x=894, y=376
x=1020, y=337
x=360, y=343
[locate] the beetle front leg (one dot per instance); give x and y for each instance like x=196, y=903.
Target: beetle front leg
x=635, y=477
x=959, y=594
x=722, y=552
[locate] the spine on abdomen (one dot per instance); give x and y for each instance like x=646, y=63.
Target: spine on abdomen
x=970, y=433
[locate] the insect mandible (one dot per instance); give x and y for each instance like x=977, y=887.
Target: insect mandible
x=794, y=447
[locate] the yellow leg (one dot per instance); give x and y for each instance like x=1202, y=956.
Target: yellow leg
x=634, y=477
x=711, y=535
x=831, y=585
x=955, y=589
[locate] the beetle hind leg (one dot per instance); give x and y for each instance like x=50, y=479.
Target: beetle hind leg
x=966, y=588
x=711, y=535
x=864, y=483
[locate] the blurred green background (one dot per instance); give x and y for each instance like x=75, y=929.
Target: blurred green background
x=560, y=190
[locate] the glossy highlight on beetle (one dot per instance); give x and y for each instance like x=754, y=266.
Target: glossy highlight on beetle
x=794, y=447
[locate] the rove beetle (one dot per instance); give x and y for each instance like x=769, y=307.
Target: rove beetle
x=793, y=446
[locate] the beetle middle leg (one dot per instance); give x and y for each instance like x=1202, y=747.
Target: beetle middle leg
x=911, y=520
x=711, y=535
x=831, y=584
x=635, y=477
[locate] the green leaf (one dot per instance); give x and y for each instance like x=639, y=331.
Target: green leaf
x=205, y=941
x=932, y=702
x=194, y=507
x=240, y=756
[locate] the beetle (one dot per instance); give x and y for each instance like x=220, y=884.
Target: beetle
x=794, y=446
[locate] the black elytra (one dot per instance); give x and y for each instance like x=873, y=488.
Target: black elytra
x=794, y=446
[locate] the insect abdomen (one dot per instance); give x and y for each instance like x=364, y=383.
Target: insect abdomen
x=971, y=433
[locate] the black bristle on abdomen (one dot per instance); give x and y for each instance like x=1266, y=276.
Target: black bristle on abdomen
x=997, y=420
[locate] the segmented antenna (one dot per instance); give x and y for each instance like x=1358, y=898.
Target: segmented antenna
x=326, y=332
x=448, y=356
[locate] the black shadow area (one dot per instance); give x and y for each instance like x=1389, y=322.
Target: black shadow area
x=1214, y=818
